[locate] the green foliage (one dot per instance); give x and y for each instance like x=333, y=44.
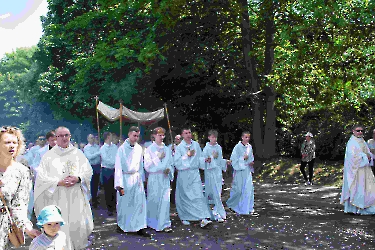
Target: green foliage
x=316, y=57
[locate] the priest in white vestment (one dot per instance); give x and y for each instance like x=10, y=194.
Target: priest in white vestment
x=63, y=179
x=358, y=189
x=129, y=177
x=191, y=203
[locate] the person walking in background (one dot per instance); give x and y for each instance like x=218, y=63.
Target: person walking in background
x=82, y=146
x=63, y=179
x=158, y=163
x=15, y=185
x=173, y=145
x=129, y=178
x=108, y=155
x=358, y=188
x=371, y=145
x=308, y=158
x=39, y=143
x=51, y=142
x=214, y=164
x=190, y=202
x=92, y=152
x=241, y=198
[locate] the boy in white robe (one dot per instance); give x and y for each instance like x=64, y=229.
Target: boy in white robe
x=358, y=189
x=241, y=198
x=214, y=164
x=190, y=202
x=129, y=177
x=63, y=179
x=158, y=163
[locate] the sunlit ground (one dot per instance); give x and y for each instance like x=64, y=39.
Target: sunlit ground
x=291, y=216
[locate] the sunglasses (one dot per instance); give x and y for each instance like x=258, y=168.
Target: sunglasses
x=359, y=130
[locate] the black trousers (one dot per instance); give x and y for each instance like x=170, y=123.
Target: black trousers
x=311, y=169
x=109, y=188
x=95, y=182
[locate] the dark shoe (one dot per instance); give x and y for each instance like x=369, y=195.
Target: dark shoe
x=167, y=230
x=143, y=233
x=119, y=230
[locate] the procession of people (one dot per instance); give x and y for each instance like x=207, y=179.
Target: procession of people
x=63, y=179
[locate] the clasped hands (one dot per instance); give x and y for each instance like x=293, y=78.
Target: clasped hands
x=68, y=181
x=161, y=155
x=166, y=171
x=191, y=152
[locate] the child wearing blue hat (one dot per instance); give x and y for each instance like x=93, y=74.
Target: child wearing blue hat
x=50, y=220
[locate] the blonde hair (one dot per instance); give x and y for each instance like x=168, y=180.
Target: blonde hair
x=158, y=130
x=18, y=133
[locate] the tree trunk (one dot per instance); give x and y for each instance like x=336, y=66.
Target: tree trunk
x=270, y=129
x=253, y=77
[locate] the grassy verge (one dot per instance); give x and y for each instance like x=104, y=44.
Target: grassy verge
x=287, y=170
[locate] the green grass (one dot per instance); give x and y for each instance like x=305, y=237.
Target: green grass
x=287, y=170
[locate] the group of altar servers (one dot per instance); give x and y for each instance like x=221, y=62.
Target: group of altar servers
x=136, y=211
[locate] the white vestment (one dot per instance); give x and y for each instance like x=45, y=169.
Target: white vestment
x=213, y=177
x=57, y=164
x=241, y=198
x=131, y=207
x=358, y=189
x=158, y=186
x=190, y=201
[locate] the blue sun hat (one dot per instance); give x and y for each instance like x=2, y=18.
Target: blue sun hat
x=49, y=214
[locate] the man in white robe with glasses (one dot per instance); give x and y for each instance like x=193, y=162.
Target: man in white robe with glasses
x=63, y=180
x=358, y=189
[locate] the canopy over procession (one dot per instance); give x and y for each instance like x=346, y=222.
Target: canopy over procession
x=140, y=182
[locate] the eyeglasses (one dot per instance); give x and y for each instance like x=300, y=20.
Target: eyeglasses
x=64, y=136
x=359, y=130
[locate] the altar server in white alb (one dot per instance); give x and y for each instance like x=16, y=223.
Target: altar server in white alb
x=214, y=164
x=241, y=198
x=190, y=202
x=63, y=180
x=158, y=163
x=358, y=188
x=129, y=177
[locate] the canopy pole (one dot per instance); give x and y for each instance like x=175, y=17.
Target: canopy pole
x=120, y=119
x=169, y=125
x=97, y=116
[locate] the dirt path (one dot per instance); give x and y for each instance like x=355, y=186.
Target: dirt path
x=291, y=217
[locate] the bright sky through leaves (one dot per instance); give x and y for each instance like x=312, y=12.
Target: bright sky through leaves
x=20, y=24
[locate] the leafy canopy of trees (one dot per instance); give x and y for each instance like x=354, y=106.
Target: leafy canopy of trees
x=277, y=68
